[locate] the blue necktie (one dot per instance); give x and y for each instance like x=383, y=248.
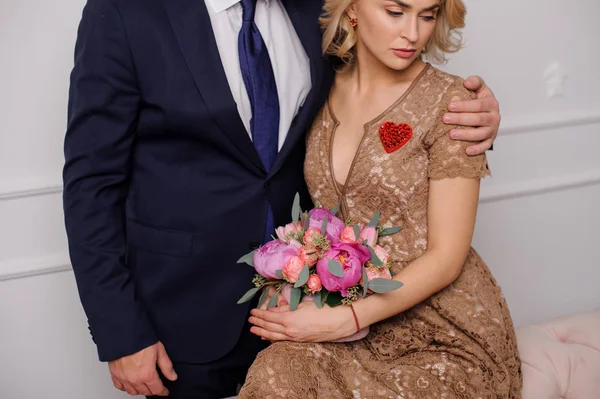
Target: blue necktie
x=257, y=73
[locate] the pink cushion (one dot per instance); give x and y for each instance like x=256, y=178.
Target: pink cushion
x=561, y=357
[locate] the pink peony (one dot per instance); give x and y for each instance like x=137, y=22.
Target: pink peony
x=314, y=283
x=289, y=231
x=310, y=235
x=370, y=235
x=351, y=257
x=382, y=254
x=334, y=225
x=292, y=269
x=272, y=257
x=309, y=254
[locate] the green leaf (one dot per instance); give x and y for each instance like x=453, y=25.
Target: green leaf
x=263, y=297
x=335, y=268
x=279, y=273
x=335, y=209
x=382, y=285
x=302, y=277
x=356, y=231
x=248, y=295
x=334, y=299
x=273, y=301
x=375, y=220
x=248, y=258
x=389, y=231
x=296, y=208
x=365, y=281
x=306, y=222
x=295, y=297
x=318, y=299
x=324, y=225
x=374, y=259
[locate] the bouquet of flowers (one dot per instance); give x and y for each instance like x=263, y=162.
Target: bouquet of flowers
x=321, y=258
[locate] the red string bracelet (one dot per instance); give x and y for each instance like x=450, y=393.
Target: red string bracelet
x=355, y=318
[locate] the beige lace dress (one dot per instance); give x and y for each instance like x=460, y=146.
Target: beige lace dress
x=459, y=343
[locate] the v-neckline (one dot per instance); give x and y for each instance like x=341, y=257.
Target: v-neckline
x=341, y=187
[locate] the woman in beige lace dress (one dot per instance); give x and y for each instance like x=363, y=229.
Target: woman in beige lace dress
x=447, y=333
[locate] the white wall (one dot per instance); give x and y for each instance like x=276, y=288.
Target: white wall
x=538, y=220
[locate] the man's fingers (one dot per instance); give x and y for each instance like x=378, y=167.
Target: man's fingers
x=142, y=389
x=156, y=387
x=470, y=119
x=487, y=104
x=480, y=148
x=476, y=134
x=117, y=383
x=475, y=83
x=165, y=364
x=267, y=325
x=130, y=389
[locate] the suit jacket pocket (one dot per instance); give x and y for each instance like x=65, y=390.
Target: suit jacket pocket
x=163, y=241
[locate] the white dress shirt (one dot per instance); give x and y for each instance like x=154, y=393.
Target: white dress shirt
x=290, y=63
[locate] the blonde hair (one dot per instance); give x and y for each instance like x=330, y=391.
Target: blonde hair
x=339, y=37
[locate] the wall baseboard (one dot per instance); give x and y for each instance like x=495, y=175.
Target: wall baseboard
x=22, y=268
x=550, y=122
x=539, y=186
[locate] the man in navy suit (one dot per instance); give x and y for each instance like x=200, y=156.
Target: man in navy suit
x=178, y=162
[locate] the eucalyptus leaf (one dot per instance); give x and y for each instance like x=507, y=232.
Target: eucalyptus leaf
x=334, y=299
x=356, y=231
x=295, y=297
x=374, y=259
x=324, y=225
x=279, y=273
x=306, y=222
x=335, y=209
x=389, y=231
x=318, y=299
x=263, y=298
x=375, y=220
x=382, y=285
x=296, y=208
x=335, y=268
x=248, y=258
x=273, y=301
x=302, y=277
x=365, y=279
x=248, y=295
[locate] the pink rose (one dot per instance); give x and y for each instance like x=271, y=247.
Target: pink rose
x=351, y=257
x=348, y=235
x=370, y=235
x=376, y=272
x=309, y=254
x=310, y=235
x=289, y=231
x=314, y=283
x=334, y=225
x=272, y=257
x=382, y=254
x=292, y=269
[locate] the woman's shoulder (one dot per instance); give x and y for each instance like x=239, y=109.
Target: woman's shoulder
x=450, y=87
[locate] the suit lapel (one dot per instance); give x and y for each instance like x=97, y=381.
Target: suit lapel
x=304, y=16
x=191, y=23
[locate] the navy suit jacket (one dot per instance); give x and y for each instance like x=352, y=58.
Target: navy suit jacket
x=163, y=189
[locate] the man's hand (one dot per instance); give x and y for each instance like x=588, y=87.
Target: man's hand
x=482, y=114
x=137, y=375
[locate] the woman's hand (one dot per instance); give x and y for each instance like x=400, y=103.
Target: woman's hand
x=482, y=115
x=305, y=324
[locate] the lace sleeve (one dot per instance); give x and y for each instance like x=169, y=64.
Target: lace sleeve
x=447, y=157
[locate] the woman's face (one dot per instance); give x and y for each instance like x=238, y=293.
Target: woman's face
x=393, y=32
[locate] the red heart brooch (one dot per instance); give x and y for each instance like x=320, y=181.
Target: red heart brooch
x=394, y=136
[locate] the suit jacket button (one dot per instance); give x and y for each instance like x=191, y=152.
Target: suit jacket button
x=253, y=244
